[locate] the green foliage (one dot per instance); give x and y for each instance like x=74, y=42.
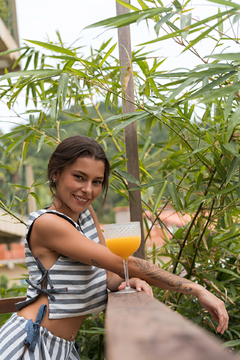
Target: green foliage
x=90, y=337
x=193, y=167
x=3, y=282
x=14, y=291
x=5, y=11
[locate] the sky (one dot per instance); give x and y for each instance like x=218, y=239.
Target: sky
x=39, y=20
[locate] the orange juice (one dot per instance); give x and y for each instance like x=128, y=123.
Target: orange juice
x=123, y=246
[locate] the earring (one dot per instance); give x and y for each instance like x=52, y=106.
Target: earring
x=53, y=181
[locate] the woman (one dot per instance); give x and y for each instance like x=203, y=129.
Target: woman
x=70, y=266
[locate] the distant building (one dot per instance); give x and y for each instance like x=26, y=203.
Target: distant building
x=9, y=38
x=12, y=235
x=168, y=216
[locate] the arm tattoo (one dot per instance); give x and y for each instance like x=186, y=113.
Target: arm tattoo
x=153, y=272
x=95, y=263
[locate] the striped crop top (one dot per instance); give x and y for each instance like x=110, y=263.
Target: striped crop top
x=73, y=288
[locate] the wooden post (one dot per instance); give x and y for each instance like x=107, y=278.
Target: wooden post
x=131, y=145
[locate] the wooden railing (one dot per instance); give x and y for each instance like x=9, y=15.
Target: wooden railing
x=139, y=327
x=8, y=305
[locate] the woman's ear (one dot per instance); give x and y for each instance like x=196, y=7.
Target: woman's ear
x=55, y=177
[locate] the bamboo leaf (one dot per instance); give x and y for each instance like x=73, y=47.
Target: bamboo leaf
x=232, y=168
x=220, y=27
x=20, y=186
x=228, y=106
x=230, y=272
x=128, y=6
x=129, y=18
x=209, y=277
x=143, y=5
x=24, y=153
x=28, y=60
x=60, y=87
x=178, y=32
x=158, y=198
x=126, y=123
x=231, y=343
x=19, y=58
x=234, y=121
x=143, y=151
x=118, y=164
x=128, y=177
x=209, y=86
x=35, y=197
x=53, y=112
x=34, y=73
x=149, y=184
x=174, y=196
x=177, y=5
x=3, y=53
x=22, y=138
x=230, y=147
x=41, y=142
x=65, y=88
x=6, y=167
x=200, y=149
x=122, y=116
x=185, y=21
x=107, y=54
x=226, y=190
x=36, y=59
x=232, y=88
x=203, y=35
x=227, y=3
x=34, y=94
x=226, y=56
x=54, y=48
x=185, y=84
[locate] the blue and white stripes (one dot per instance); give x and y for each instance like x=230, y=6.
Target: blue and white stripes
x=78, y=289
x=48, y=346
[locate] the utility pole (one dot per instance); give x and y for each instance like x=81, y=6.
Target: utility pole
x=130, y=131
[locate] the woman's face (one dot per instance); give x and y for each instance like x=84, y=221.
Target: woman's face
x=78, y=185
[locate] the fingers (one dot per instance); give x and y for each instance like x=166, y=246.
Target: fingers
x=216, y=308
x=223, y=320
x=122, y=286
x=221, y=316
x=141, y=285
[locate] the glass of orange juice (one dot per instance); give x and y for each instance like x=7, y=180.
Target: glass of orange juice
x=123, y=240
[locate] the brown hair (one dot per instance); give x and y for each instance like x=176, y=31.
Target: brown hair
x=72, y=148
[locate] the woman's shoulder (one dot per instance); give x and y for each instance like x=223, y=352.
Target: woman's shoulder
x=49, y=220
x=46, y=214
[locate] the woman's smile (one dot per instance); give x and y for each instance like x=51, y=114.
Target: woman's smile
x=81, y=199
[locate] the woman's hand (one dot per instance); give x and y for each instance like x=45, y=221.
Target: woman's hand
x=215, y=307
x=138, y=284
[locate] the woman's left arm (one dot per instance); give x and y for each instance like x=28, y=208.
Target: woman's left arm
x=153, y=275
x=165, y=280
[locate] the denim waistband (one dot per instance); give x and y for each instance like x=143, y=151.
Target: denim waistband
x=33, y=328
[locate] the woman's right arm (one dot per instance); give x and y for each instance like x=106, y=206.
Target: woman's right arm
x=52, y=235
